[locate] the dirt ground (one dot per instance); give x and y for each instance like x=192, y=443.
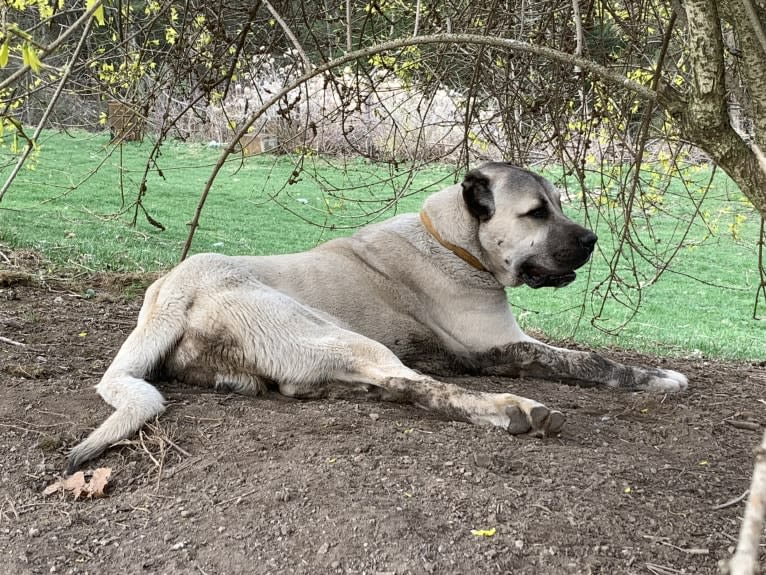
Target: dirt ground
x=223, y=484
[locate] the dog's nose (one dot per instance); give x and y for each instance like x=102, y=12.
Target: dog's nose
x=588, y=241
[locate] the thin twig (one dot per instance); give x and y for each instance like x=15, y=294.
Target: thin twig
x=12, y=342
x=731, y=502
x=179, y=449
x=22, y=428
x=146, y=450
x=12, y=506
x=690, y=550
x=661, y=569
x=235, y=498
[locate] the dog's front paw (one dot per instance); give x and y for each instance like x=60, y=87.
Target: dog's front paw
x=663, y=380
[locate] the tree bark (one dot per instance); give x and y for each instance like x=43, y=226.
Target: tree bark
x=705, y=118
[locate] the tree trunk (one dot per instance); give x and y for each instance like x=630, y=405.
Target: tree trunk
x=705, y=118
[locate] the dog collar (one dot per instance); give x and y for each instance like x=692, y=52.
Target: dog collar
x=464, y=255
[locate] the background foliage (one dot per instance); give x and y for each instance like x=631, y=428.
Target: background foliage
x=628, y=105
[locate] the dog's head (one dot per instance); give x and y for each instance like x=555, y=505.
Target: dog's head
x=523, y=232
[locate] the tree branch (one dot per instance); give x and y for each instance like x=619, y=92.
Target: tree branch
x=50, y=48
x=462, y=39
x=578, y=30
x=289, y=34
x=755, y=23
x=51, y=104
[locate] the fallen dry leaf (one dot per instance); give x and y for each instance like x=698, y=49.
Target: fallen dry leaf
x=99, y=480
x=77, y=485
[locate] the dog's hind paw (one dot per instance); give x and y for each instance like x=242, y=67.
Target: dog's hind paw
x=532, y=417
x=664, y=381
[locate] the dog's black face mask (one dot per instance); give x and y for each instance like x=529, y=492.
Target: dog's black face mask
x=525, y=236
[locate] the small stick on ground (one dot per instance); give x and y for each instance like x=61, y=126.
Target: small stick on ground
x=238, y=497
x=731, y=502
x=178, y=448
x=740, y=424
x=12, y=342
x=662, y=569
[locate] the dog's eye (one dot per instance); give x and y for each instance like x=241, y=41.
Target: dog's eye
x=538, y=213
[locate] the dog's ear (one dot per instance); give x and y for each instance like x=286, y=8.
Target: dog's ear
x=477, y=196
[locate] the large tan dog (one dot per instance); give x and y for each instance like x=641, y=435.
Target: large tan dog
x=423, y=290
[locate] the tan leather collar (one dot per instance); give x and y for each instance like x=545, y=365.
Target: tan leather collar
x=464, y=255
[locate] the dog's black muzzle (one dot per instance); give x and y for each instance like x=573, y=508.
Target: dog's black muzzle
x=538, y=276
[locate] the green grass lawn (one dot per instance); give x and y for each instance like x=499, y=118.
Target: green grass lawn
x=79, y=216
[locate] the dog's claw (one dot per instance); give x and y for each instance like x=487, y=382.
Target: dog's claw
x=537, y=416
x=518, y=423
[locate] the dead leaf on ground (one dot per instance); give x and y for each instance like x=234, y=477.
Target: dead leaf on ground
x=77, y=485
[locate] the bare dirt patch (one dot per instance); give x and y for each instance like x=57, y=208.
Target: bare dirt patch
x=224, y=484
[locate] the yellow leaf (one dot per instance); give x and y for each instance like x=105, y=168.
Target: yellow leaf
x=627, y=490
x=83, y=333
x=4, y=51
x=704, y=462
x=29, y=57
x=484, y=532
x=98, y=14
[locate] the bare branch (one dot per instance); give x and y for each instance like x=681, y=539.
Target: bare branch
x=416, y=26
x=289, y=34
x=578, y=31
x=50, y=48
x=460, y=39
x=755, y=23
x=348, y=26
x=51, y=104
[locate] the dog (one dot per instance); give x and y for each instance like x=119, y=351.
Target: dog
x=416, y=294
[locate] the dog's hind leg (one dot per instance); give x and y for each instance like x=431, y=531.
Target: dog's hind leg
x=374, y=364
x=124, y=386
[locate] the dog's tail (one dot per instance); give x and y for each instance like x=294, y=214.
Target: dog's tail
x=123, y=386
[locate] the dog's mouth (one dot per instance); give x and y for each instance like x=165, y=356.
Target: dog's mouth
x=537, y=277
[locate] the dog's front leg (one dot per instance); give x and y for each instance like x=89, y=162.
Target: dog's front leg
x=536, y=359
